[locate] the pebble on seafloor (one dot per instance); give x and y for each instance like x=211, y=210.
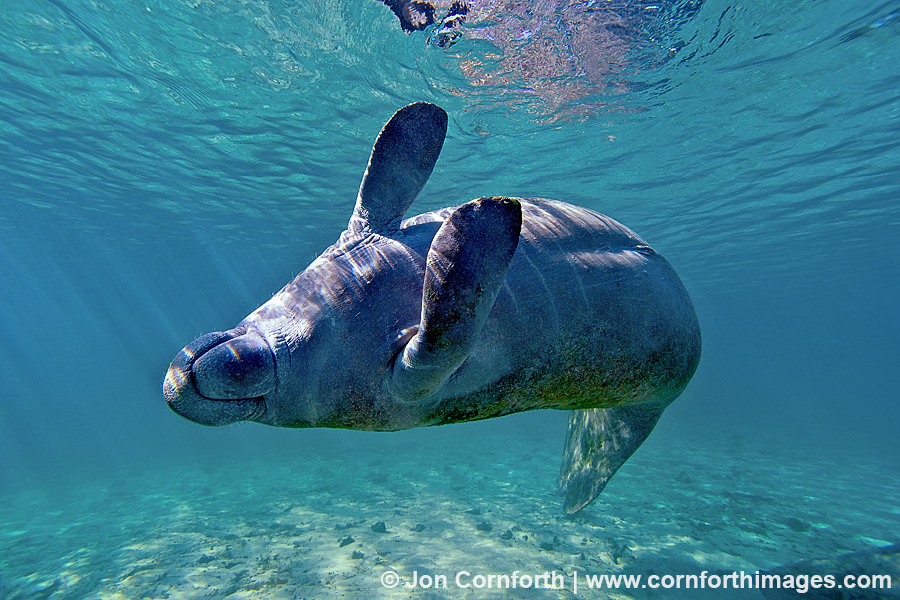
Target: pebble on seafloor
x=379, y=527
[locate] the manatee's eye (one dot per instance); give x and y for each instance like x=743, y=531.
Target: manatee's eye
x=396, y=344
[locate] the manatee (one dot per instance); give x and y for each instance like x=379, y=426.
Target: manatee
x=496, y=306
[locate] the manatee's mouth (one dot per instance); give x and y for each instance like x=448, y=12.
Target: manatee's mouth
x=222, y=377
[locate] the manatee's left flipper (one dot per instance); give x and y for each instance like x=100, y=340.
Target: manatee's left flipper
x=401, y=162
x=467, y=265
x=598, y=442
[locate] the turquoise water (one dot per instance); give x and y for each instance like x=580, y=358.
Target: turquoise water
x=166, y=166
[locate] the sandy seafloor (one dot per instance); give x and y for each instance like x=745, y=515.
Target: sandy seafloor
x=273, y=529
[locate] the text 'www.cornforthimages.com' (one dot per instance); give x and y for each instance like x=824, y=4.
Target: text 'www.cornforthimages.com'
x=705, y=580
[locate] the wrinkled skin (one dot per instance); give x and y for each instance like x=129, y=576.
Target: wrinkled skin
x=583, y=294
x=498, y=306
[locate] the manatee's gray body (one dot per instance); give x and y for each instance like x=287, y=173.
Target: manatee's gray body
x=497, y=306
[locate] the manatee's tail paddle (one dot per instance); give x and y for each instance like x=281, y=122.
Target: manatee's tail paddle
x=598, y=442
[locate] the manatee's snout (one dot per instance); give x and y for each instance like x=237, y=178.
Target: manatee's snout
x=240, y=368
x=221, y=377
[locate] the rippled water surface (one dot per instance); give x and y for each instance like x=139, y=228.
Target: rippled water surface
x=747, y=130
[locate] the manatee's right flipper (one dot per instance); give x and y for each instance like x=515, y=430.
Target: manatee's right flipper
x=467, y=265
x=598, y=442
